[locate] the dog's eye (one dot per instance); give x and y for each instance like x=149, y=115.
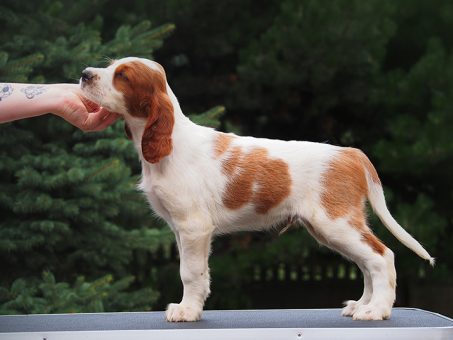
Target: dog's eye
x=121, y=75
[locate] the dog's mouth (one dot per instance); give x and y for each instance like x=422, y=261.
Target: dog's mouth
x=92, y=95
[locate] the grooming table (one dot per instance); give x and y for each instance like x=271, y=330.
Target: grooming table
x=405, y=323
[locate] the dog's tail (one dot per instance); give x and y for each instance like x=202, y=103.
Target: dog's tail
x=377, y=201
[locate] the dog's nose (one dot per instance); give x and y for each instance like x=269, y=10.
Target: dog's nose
x=87, y=75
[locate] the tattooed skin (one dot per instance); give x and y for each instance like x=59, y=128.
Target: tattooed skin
x=5, y=91
x=33, y=90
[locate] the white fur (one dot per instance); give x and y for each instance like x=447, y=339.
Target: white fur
x=186, y=187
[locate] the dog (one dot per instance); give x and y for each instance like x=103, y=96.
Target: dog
x=203, y=182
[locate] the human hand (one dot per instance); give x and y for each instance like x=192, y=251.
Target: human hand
x=80, y=112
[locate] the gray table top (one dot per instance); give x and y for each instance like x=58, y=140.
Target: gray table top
x=224, y=319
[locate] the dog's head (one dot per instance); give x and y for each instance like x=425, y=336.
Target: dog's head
x=135, y=87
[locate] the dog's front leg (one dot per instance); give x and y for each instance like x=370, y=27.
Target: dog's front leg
x=194, y=248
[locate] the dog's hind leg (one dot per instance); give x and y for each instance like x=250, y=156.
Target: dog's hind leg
x=351, y=306
x=356, y=242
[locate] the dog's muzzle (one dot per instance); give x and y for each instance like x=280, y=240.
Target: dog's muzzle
x=87, y=76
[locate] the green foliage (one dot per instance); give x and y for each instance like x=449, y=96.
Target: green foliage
x=68, y=200
x=415, y=151
x=46, y=296
x=209, y=118
x=68, y=36
x=295, y=73
x=372, y=74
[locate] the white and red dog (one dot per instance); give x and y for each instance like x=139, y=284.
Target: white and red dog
x=203, y=182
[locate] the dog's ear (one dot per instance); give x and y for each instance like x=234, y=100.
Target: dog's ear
x=156, y=139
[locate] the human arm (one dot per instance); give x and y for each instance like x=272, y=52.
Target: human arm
x=18, y=101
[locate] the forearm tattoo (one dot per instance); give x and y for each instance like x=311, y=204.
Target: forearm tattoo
x=33, y=90
x=5, y=91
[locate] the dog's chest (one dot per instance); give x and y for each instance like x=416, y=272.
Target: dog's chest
x=163, y=195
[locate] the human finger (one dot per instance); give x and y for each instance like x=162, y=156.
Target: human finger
x=89, y=105
x=108, y=120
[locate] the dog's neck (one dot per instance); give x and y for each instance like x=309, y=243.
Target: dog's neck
x=181, y=126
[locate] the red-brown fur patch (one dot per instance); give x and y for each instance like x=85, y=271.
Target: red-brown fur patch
x=145, y=95
x=233, y=161
x=345, y=191
x=345, y=185
x=358, y=221
x=370, y=169
x=374, y=242
x=222, y=143
x=255, y=169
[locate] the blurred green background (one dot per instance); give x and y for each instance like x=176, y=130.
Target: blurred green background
x=76, y=236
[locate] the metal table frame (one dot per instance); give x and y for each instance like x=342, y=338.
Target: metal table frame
x=405, y=323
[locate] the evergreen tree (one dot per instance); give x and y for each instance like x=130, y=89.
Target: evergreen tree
x=415, y=149
x=370, y=74
x=68, y=202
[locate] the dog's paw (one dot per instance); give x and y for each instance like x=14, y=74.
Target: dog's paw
x=350, y=307
x=371, y=312
x=177, y=312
